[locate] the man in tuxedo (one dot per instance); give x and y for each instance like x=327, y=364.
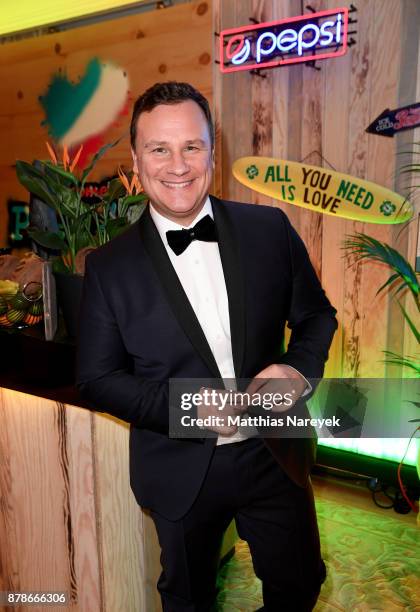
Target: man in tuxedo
x=201, y=288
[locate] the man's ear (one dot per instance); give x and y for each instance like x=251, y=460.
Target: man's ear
x=135, y=166
x=212, y=158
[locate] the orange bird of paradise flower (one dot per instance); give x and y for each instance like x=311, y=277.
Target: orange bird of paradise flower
x=133, y=186
x=65, y=160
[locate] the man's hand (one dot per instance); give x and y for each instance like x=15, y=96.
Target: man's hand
x=219, y=408
x=267, y=381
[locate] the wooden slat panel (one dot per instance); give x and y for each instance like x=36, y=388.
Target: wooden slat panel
x=152, y=566
x=262, y=103
x=120, y=519
x=217, y=110
x=312, y=104
x=383, y=93
x=335, y=152
x=236, y=113
x=359, y=83
x=238, y=120
x=283, y=110
x=281, y=106
x=405, y=240
x=83, y=506
x=36, y=518
x=10, y=579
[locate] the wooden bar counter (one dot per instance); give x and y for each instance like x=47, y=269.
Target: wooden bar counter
x=68, y=519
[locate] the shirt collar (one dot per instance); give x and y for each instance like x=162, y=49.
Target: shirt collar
x=163, y=224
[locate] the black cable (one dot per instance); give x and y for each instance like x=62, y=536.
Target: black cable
x=384, y=492
x=374, y=486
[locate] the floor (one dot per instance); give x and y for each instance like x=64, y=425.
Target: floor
x=372, y=557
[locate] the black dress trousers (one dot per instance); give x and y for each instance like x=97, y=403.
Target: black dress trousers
x=275, y=516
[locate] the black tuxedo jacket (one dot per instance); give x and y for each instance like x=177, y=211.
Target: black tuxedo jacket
x=138, y=329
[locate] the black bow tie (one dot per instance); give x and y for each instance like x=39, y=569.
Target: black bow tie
x=205, y=230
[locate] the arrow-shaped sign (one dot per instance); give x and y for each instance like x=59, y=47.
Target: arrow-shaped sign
x=391, y=122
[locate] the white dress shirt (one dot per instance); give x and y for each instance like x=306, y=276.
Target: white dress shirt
x=200, y=272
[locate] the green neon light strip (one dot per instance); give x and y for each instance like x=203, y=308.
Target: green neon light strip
x=389, y=448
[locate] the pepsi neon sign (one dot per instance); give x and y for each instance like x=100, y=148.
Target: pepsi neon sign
x=289, y=41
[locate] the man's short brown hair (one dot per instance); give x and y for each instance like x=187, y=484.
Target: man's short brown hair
x=170, y=92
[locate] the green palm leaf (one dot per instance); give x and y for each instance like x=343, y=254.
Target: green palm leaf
x=407, y=361
x=367, y=247
x=410, y=322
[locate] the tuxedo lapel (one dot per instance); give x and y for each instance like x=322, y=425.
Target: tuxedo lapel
x=175, y=293
x=234, y=278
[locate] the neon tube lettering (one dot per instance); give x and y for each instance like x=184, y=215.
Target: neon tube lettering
x=301, y=43
x=327, y=36
x=286, y=40
x=260, y=49
x=338, y=33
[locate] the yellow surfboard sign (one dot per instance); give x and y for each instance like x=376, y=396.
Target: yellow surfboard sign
x=322, y=190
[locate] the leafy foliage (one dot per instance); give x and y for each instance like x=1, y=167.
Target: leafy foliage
x=82, y=224
x=367, y=247
x=403, y=277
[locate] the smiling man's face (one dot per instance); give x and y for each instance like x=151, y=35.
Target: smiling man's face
x=174, y=159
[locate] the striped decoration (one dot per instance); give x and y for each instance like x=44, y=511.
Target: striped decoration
x=81, y=112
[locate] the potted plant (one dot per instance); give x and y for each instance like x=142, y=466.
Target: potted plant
x=82, y=226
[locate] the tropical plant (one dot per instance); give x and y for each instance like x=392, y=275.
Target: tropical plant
x=403, y=277
x=61, y=184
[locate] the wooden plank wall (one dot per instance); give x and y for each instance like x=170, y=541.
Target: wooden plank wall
x=172, y=43
x=295, y=111
x=68, y=519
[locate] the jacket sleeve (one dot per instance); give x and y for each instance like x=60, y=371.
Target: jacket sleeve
x=311, y=317
x=103, y=374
